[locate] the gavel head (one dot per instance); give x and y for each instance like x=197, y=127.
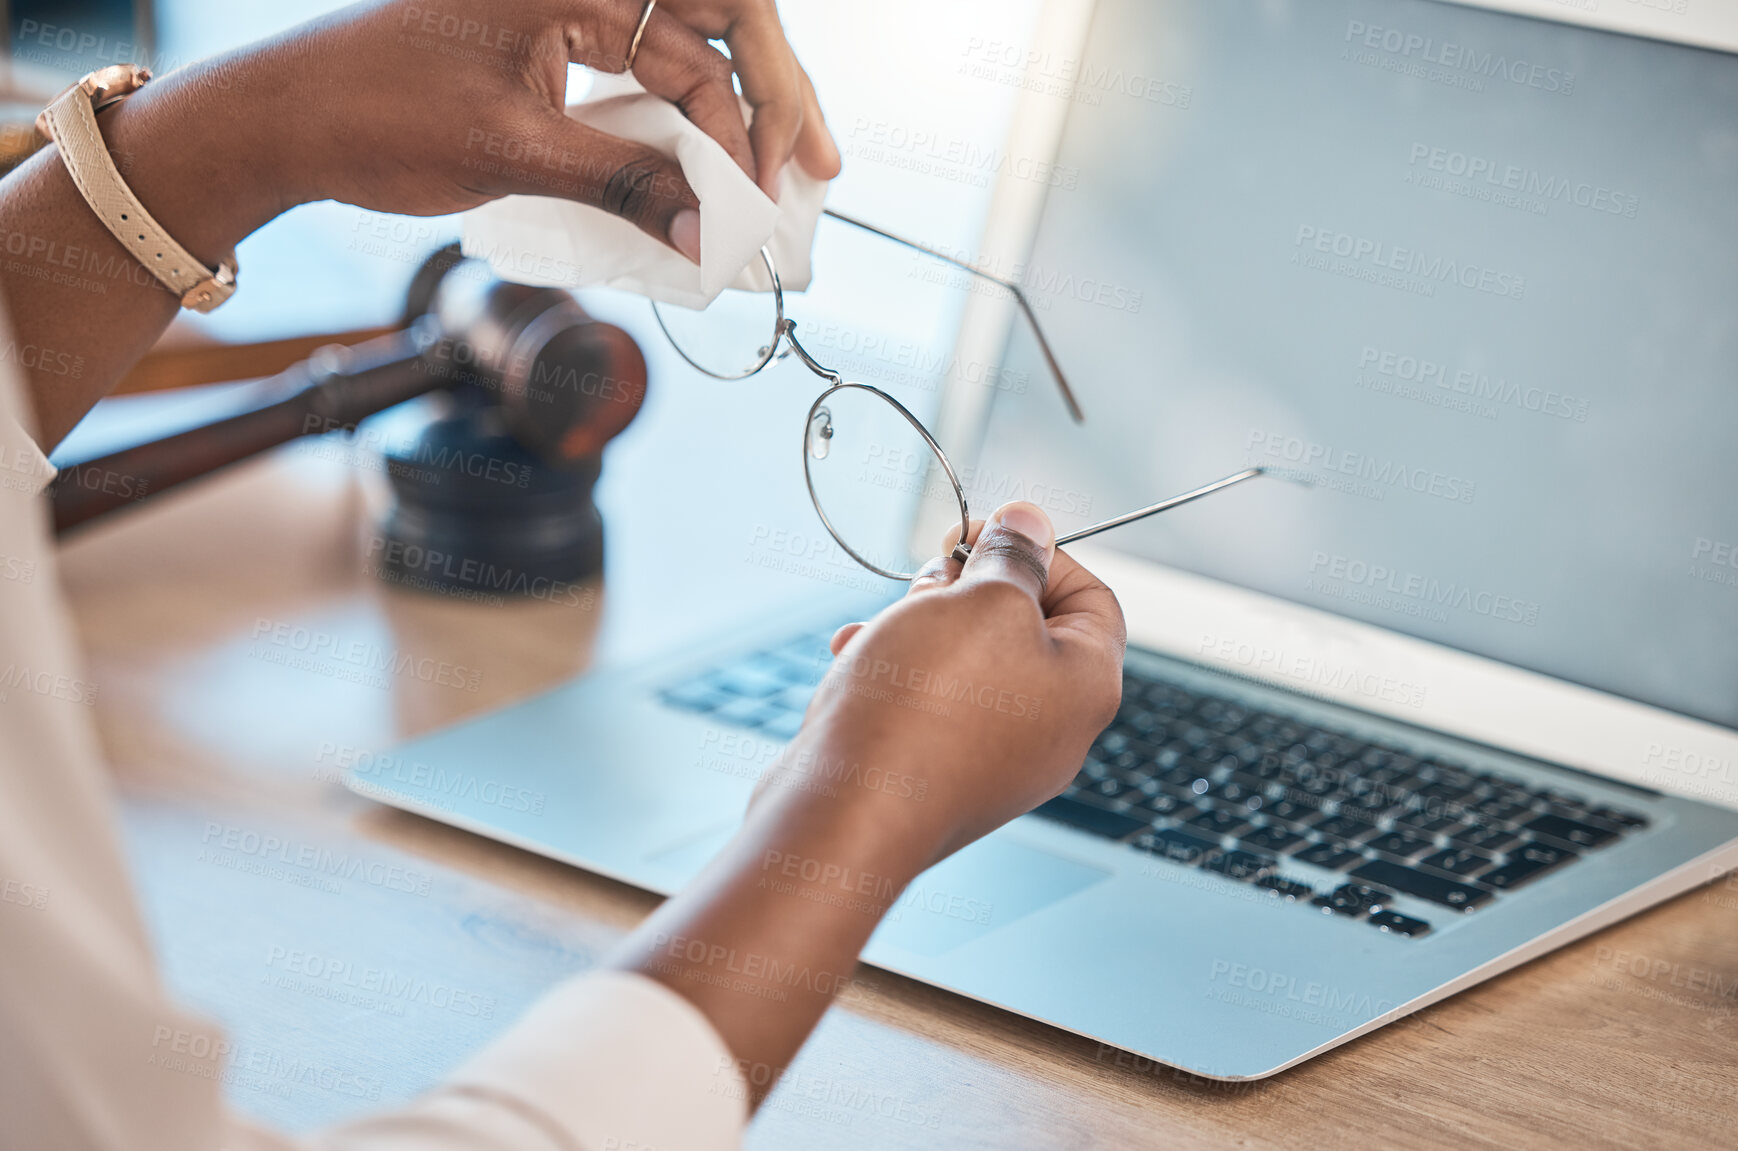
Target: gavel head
x=495, y=493
x=566, y=384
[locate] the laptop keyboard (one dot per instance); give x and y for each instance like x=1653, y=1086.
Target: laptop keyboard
x=1205, y=781
x=1210, y=782
x=766, y=691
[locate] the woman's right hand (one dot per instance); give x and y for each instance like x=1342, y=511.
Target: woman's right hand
x=969, y=702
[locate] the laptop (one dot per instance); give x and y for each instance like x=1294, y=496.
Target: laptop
x=1467, y=694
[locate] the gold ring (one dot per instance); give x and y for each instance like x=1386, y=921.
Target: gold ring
x=639, y=34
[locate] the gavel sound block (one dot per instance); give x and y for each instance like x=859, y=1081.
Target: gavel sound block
x=495, y=494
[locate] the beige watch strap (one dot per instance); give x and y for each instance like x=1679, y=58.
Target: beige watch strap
x=72, y=124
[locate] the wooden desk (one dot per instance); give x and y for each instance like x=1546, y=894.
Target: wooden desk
x=365, y=974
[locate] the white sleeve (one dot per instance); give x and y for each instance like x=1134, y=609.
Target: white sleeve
x=94, y=1054
x=605, y=1062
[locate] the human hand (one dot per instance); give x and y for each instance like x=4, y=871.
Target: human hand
x=897, y=765
x=787, y=121
x=971, y=701
x=425, y=107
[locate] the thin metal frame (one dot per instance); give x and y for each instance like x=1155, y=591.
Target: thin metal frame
x=1013, y=289
x=785, y=334
x=767, y=353
x=809, y=477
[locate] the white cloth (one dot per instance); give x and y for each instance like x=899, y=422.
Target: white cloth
x=95, y=1055
x=562, y=244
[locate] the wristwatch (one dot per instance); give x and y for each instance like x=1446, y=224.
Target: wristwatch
x=71, y=122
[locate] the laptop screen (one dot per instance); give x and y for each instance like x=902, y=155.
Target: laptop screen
x=1474, y=276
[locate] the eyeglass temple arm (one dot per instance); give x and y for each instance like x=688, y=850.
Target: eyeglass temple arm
x=1074, y=411
x=1163, y=505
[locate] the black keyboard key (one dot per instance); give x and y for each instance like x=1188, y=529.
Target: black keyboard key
x=1443, y=792
x=1567, y=800
x=1365, y=810
x=1343, y=827
x=1290, y=810
x=1320, y=784
x=1400, y=844
x=1388, y=775
x=1218, y=821
x=1112, y=742
x=1112, y=787
x=1180, y=775
x=1086, y=817
x=1393, y=923
x=1498, y=809
x=1570, y=831
x=1140, y=722
x=1457, y=861
x=1625, y=819
x=1164, y=803
x=1421, y=884
x=1289, y=890
x=1255, y=785
x=1550, y=855
x=1275, y=839
x=1427, y=821
x=1239, y=792
x=1243, y=865
x=1352, y=899
x=1177, y=845
x=1525, y=864
x=1480, y=838
x=1193, y=781
x=1332, y=856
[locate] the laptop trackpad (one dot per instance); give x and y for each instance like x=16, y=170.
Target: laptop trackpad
x=978, y=890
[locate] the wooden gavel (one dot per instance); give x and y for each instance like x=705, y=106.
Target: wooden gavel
x=565, y=384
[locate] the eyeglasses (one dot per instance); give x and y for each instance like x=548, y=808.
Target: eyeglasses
x=864, y=453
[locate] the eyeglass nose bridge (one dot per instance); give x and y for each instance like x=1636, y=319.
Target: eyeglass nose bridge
x=788, y=329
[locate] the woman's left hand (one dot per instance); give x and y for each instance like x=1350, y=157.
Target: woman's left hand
x=426, y=107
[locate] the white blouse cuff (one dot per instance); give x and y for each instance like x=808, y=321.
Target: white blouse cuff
x=614, y=1060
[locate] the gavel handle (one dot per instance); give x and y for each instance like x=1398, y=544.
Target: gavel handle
x=371, y=378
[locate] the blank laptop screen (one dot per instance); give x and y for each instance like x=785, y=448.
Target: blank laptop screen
x=1473, y=275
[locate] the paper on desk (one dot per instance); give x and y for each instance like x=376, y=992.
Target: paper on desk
x=558, y=243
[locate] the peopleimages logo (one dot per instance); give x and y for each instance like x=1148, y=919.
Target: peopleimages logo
x=357, y=660
x=1411, y=586
x=441, y=786
x=229, y=846
x=1402, y=47
x=1524, y=182
x=1279, y=985
x=919, y=681
x=1312, y=672
x=951, y=158
x=337, y=978
x=1366, y=258
x=1377, y=475
x=1387, y=371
